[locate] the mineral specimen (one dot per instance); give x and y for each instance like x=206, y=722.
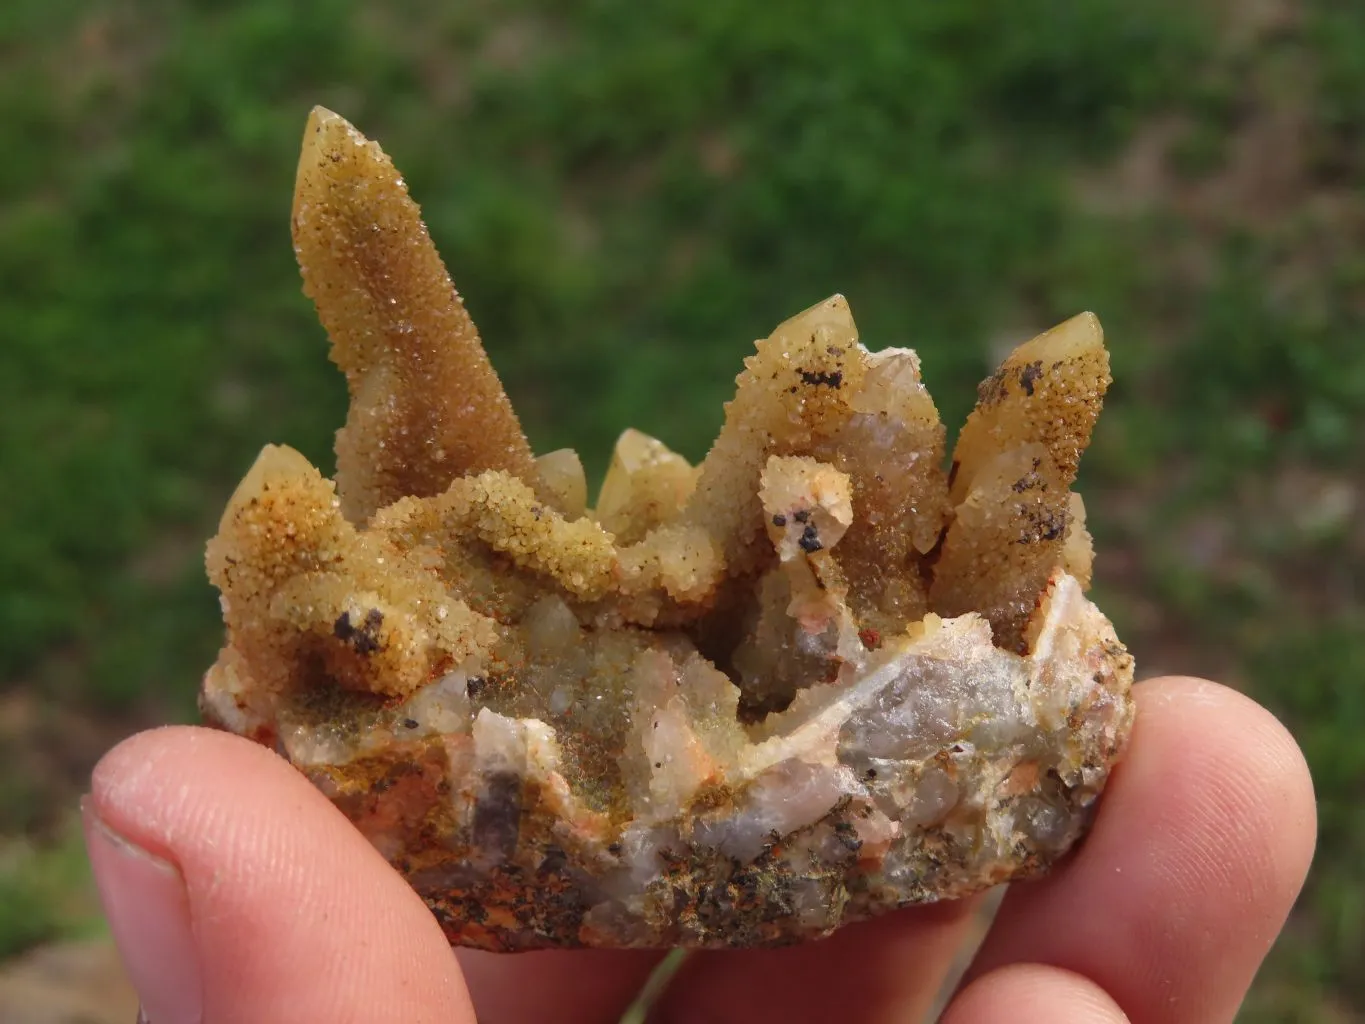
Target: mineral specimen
x=812, y=679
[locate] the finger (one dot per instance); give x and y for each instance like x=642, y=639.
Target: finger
x=578, y=986
x=887, y=969
x=237, y=893
x=1201, y=845
x=1033, y=994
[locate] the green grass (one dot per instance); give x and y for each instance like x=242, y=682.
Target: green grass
x=627, y=195
x=45, y=894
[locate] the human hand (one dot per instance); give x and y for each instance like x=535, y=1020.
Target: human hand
x=237, y=893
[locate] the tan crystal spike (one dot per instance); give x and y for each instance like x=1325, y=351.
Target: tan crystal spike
x=426, y=406
x=791, y=394
x=1014, y=464
x=1049, y=390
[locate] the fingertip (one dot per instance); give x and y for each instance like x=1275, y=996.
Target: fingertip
x=887, y=968
x=1231, y=713
x=567, y=986
x=146, y=903
x=1242, y=769
x=290, y=905
x=1033, y=994
x=149, y=780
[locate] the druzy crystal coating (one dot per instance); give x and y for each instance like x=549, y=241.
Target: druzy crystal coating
x=825, y=673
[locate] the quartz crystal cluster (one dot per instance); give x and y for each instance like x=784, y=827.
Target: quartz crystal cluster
x=825, y=673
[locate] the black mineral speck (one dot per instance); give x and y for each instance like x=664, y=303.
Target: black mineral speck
x=830, y=379
x=1030, y=480
x=1043, y=525
x=810, y=540
x=364, y=639
x=991, y=390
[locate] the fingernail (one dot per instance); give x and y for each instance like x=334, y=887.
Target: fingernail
x=148, y=910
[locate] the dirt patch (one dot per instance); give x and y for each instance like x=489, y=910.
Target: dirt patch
x=1262, y=141
x=47, y=750
x=67, y=983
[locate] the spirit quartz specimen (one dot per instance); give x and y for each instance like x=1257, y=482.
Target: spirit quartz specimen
x=814, y=678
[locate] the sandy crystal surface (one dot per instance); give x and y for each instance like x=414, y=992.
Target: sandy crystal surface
x=816, y=677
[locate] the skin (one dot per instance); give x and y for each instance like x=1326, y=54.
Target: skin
x=1163, y=915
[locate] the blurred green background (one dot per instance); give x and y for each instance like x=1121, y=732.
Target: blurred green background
x=628, y=194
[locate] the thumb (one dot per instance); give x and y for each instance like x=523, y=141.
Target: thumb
x=236, y=892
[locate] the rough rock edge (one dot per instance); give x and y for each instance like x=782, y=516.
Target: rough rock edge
x=492, y=837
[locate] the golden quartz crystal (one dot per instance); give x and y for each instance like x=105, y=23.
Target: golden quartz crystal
x=426, y=406
x=825, y=673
